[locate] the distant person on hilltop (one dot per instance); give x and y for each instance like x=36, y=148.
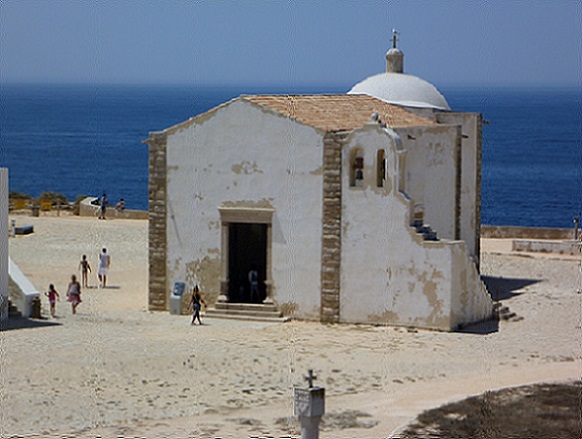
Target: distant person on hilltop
x=104, y=263
x=85, y=269
x=104, y=204
x=120, y=206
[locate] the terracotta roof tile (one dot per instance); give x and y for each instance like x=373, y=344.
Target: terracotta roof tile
x=337, y=112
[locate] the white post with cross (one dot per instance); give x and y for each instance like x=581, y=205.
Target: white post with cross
x=310, y=407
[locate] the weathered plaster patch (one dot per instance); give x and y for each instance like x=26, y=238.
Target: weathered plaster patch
x=288, y=309
x=214, y=225
x=175, y=268
x=247, y=168
x=430, y=292
x=260, y=204
x=205, y=273
x=318, y=171
x=387, y=317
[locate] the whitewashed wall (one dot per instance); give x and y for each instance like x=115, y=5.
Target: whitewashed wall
x=243, y=156
x=470, y=175
x=431, y=171
x=389, y=274
x=470, y=299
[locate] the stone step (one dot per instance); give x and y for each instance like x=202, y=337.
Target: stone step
x=14, y=313
x=425, y=230
x=243, y=312
x=233, y=315
x=12, y=310
x=503, y=312
x=254, y=307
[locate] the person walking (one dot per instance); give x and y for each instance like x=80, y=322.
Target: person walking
x=104, y=203
x=74, y=293
x=52, y=297
x=103, y=270
x=195, y=303
x=85, y=268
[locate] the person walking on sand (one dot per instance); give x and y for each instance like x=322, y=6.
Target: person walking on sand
x=85, y=269
x=103, y=270
x=104, y=204
x=74, y=293
x=195, y=303
x=52, y=297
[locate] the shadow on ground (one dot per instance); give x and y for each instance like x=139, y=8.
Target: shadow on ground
x=541, y=411
x=502, y=288
x=481, y=328
x=24, y=323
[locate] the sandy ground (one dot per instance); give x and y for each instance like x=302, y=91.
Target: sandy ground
x=116, y=370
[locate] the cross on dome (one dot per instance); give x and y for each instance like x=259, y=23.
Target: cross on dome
x=395, y=34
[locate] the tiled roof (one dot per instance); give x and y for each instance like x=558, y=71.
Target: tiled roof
x=337, y=112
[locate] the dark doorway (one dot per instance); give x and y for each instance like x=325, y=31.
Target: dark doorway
x=247, y=250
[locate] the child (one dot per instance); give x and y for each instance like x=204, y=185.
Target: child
x=52, y=297
x=74, y=293
x=85, y=268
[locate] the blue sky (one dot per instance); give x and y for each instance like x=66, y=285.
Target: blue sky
x=451, y=42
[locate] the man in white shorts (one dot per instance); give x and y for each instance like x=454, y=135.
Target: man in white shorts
x=104, y=262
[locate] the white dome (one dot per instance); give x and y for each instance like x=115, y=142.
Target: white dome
x=401, y=89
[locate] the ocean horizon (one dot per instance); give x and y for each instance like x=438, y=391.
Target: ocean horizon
x=87, y=139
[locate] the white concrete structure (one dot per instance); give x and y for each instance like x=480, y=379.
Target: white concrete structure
x=4, y=231
x=23, y=299
x=319, y=193
x=420, y=97
x=398, y=88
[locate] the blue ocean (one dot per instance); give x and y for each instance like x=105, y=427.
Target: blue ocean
x=87, y=139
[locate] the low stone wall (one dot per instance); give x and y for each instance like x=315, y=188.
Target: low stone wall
x=526, y=232
x=560, y=247
x=88, y=209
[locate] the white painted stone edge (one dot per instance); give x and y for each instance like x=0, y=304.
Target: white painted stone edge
x=24, y=301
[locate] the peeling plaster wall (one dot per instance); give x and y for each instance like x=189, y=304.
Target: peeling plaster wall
x=242, y=156
x=390, y=275
x=471, y=300
x=431, y=170
x=470, y=197
x=470, y=218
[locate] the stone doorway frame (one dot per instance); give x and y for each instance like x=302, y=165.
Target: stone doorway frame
x=247, y=215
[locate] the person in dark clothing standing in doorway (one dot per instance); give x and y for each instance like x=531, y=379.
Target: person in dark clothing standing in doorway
x=254, y=284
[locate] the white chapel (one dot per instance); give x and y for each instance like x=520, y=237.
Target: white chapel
x=360, y=208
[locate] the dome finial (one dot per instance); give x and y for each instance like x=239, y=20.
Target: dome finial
x=394, y=57
x=395, y=34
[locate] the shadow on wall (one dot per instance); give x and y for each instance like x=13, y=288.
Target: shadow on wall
x=502, y=288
